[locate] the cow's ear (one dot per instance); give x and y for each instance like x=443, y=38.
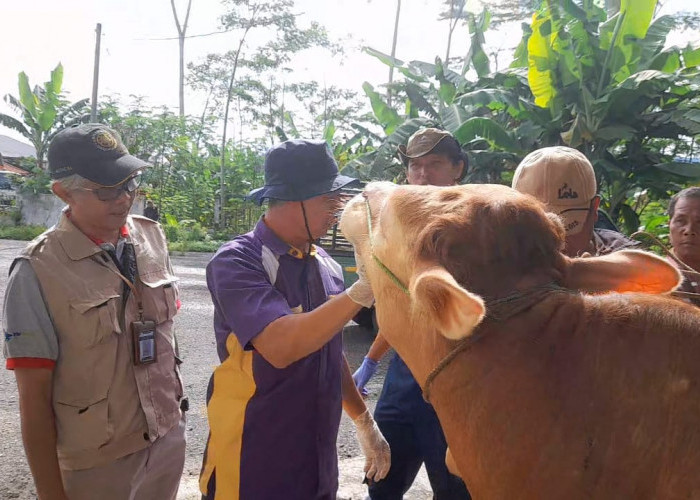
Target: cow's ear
x=623, y=271
x=437, y=296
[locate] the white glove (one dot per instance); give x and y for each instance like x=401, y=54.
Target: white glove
x=374, y=446
x=361, y=291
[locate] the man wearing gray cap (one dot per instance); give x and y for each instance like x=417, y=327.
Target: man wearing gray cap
x=88, y=324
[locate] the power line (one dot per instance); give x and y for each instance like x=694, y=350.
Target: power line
x=189, y=36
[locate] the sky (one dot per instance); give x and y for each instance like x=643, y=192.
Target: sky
x=137, y=58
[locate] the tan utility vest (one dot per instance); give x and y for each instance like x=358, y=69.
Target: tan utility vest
x=105, y=406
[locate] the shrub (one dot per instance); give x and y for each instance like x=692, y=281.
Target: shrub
x=190, y=230
x=194, y=246
x=172, y=233
x=24, y=233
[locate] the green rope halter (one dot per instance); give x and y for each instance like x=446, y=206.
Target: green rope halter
x=381, y=265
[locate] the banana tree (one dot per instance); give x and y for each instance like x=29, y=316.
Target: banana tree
x=614, y=90
x=481, y=115
x=606, y=85
x=43, y=112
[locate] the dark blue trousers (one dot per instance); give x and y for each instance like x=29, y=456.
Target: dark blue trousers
x=413, y=432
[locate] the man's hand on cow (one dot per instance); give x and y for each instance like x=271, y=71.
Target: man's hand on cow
x=361, y=291
x=364, y=373
x=374, y=446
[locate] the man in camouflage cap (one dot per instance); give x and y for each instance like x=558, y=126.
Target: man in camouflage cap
x=410, y=425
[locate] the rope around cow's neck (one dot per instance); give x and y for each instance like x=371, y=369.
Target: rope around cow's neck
x=499, y=309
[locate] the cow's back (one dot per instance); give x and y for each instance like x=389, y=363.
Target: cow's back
x=580, y=397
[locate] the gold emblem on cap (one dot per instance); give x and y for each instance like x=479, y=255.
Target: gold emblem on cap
x=104, y=140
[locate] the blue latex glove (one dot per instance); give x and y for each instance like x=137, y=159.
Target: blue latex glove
x=365, y=372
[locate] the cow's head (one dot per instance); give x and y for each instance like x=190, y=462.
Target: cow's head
x=455, y=246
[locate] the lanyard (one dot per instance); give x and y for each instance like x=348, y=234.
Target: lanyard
x=129, y=283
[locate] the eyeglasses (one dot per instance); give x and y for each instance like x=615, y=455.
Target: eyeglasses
x=112, y=193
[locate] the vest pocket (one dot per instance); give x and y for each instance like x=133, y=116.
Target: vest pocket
x=82, y=427
x=89, y=352
x=159, y=295
x=102, y=314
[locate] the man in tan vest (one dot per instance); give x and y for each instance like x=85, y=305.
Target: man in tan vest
x=88, y=325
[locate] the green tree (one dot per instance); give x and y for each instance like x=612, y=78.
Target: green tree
x=44, y=111
x=178, y=150
x=279, y=22
x=184, y=156
x=481, y=115
x=617, y=93
x=608, y=86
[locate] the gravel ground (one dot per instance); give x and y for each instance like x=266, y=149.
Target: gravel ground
x=197, y=346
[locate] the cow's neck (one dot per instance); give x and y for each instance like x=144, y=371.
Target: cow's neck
x=432, y=350
x=421, y=350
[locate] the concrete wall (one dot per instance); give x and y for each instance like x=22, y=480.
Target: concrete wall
x=39, y=210
x=45, y=209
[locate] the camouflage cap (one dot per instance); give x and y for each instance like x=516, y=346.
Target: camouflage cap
x=421, y=143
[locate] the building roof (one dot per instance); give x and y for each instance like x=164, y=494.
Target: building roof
x=6, y=167
x=12, y=148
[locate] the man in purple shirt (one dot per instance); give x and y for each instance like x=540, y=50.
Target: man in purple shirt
x=274, y=403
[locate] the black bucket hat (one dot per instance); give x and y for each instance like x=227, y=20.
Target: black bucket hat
x=299, y=169
x=93, y=151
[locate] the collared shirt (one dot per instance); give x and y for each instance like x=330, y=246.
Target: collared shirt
x=273, y=431
x=689, y=284
x=606, y=241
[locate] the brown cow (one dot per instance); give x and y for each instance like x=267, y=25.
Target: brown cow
x=550, y=393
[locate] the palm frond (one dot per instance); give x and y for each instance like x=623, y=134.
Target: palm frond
x=78, y=107
x=16, y=125
x=14, y=103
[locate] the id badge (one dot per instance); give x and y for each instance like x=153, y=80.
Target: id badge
x=144, y=336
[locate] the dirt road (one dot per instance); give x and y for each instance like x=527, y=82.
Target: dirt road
x=196, y=340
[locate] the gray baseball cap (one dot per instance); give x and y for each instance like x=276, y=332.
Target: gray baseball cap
x=93, y=151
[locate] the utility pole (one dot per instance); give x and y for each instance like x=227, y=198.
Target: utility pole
x=96, y=74
x=393, y=51
x=181, y=32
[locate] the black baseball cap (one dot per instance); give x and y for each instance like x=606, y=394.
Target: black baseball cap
x=299, y=169
x=93, y=151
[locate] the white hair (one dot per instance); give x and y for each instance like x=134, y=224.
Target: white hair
x=72, y=182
